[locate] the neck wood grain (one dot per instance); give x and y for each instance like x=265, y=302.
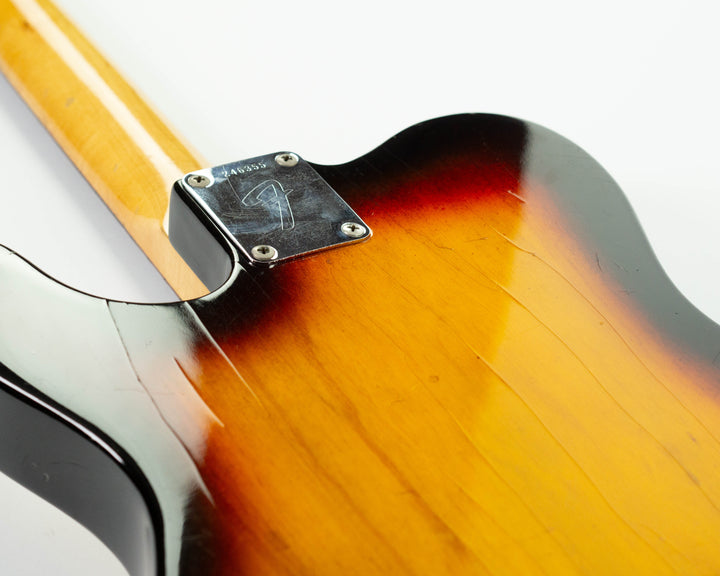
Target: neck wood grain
x=127, y=153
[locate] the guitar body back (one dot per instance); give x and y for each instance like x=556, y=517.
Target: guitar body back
x=502, y=380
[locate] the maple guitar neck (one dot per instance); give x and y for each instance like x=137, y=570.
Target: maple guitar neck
x=122, y=147
x=502, y=380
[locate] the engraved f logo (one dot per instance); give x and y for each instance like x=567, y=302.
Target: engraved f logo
x=271, y=195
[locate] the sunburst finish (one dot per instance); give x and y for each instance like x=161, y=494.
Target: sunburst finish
x=501, y=381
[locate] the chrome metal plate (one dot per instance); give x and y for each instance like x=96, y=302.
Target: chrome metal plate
x=275, y=207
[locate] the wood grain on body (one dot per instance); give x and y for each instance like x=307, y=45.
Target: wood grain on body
x=467, y=393
x=123, y=148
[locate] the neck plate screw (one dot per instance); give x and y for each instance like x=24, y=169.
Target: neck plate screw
x=198, y=181
x=264, y=252
x=353, y=230
x=287, y=159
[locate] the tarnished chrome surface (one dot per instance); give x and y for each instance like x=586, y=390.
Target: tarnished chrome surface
x=277, y=200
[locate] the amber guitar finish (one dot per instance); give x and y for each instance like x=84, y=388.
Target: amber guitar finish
x=501, y=381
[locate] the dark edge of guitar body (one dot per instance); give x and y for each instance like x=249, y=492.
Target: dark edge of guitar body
x=75, y=467
x=64, y=452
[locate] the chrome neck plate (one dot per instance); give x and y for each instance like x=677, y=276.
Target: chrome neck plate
x=274, y=207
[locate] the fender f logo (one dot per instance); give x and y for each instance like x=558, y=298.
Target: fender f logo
x=272, y=197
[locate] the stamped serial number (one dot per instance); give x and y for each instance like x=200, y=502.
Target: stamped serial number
x=244, y=169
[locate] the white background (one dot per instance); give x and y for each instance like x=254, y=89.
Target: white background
x=635, y=84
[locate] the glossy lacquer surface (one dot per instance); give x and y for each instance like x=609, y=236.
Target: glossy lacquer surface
x=501, y=381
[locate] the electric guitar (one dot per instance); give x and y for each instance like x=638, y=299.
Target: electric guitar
x=455, y=354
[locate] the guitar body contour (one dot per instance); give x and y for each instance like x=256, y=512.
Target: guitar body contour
x=501, y=381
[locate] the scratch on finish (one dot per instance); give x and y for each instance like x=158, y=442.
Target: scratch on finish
x=350, y=414
x=196, y=472
x=415, y=234
x=211, y=414
x=610, y=325
x=509, y=241
x=519, y=545
x=616, y=402
x=237, y=196
x=620, y=267
x=567, y=453
x=489, y=464
x=517, y=196
x=220, y=351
